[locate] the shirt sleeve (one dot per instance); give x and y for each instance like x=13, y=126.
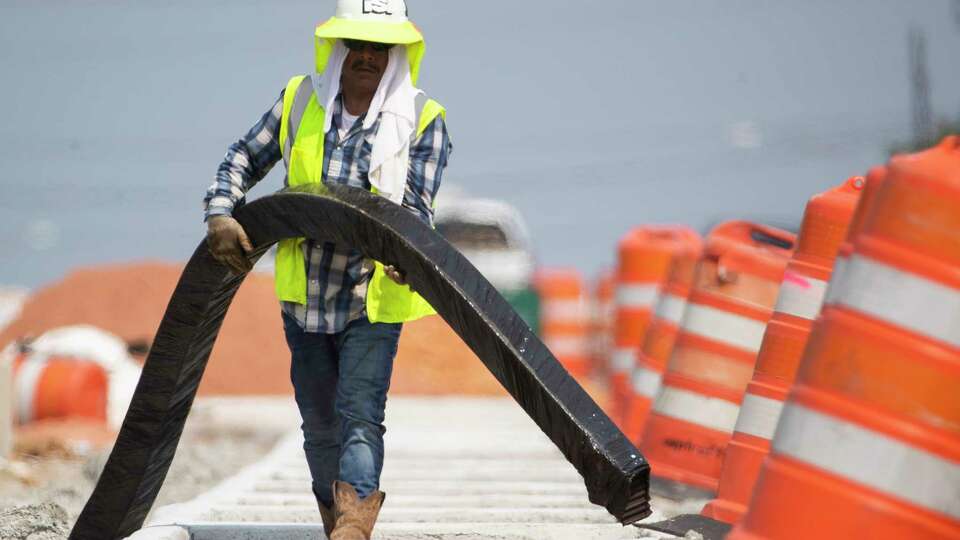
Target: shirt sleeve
x=247, y=161
x=428, y=158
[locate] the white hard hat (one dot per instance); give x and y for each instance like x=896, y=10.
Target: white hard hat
x=372, y=10
x=371, y=20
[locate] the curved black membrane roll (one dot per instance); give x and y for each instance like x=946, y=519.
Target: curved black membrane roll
x=616, y=475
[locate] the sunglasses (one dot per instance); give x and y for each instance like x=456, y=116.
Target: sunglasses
x=357, y=45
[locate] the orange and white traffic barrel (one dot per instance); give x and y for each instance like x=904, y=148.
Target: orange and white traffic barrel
x=50, y=387
x=801, y=296
x=732, y=300
x=602, y=319
x=662, y=333
x=565, y=318
x=643, y=263
x=868, y=444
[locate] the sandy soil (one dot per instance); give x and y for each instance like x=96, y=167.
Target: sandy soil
x=41, y=496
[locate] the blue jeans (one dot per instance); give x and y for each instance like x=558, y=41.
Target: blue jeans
x=340, y=382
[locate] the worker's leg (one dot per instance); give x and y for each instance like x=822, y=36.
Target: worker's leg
x=366, y=362
x=313, y=371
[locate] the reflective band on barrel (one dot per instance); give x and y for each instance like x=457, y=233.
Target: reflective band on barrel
x=646, y=382
x=567, y=346
x=671, y=307
x=801, y=296
x=869, y=458
x=637, y=296
x=759, y=416
x=712, y=413
x=25, y=385
x=901, y=298
x=712, y=323
x=565, y=311
x=622, y=360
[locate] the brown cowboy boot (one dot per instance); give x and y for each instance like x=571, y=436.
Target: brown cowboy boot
x=355, y=517
x=327, y=515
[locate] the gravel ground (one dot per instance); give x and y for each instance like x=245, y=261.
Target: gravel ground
x=40, y=498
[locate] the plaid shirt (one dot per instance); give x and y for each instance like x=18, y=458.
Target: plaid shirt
x=337, y=277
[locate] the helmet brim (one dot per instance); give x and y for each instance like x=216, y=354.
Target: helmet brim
x=404, y=33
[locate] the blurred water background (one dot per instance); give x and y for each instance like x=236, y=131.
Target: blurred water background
x=590, y=117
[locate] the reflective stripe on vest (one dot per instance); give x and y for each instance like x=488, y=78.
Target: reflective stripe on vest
x=386, y=301
x=870, y=458
x=759, y=416
x=708, y=412
x=801, y=296
x=723, y=327
x=901, y=298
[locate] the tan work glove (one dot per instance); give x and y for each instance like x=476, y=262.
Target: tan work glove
x=229, y=244
x=395, y=274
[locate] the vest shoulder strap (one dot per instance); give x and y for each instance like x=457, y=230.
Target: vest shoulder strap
x=295, y=100
x=427, y=110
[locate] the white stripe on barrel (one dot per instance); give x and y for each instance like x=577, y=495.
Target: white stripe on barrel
x=759, y=416
x=734, y=330
x=670, y=308
x=646, y=382
x=565, y=311
x=801, y=296
x=623, y=359
x=25, y=385
x=567, y=346
x=898, y=297
x=870, y=458
x=637, y=296
x=711, y=413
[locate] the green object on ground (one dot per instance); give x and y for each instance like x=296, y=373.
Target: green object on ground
x=526, y=302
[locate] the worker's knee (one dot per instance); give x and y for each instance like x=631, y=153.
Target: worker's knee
x=320, y=427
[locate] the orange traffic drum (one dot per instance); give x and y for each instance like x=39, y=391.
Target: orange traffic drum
x=734, y=292
x=868, y=444
x=825, y=224
x=49, y=387
x=565, y=318
x=645, y=256
x=662, y=334
x=601, y=322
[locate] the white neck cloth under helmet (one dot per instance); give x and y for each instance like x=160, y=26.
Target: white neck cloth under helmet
x=394, y=102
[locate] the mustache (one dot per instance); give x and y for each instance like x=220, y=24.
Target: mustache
x=359, y=64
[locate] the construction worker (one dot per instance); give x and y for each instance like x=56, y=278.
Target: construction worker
x=357, y=120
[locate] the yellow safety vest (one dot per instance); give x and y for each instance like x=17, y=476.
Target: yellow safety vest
x=387, y=302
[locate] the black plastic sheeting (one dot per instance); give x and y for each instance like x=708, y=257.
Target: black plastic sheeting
x=615, y=473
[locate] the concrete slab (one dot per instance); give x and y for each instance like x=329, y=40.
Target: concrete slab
x=455, y=468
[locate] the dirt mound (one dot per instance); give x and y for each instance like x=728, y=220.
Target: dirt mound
x=63, y=438
x=251, y=356
x=47, y=521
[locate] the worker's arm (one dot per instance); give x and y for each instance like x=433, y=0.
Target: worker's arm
x=247, y=161
x=428, y=158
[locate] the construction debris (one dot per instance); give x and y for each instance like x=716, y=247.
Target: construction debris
x=46, y=521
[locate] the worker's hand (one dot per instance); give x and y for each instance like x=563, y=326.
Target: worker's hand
x=229, y=244
x=395, y=274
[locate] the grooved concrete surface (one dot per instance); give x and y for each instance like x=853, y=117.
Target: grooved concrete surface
x=455, y=468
